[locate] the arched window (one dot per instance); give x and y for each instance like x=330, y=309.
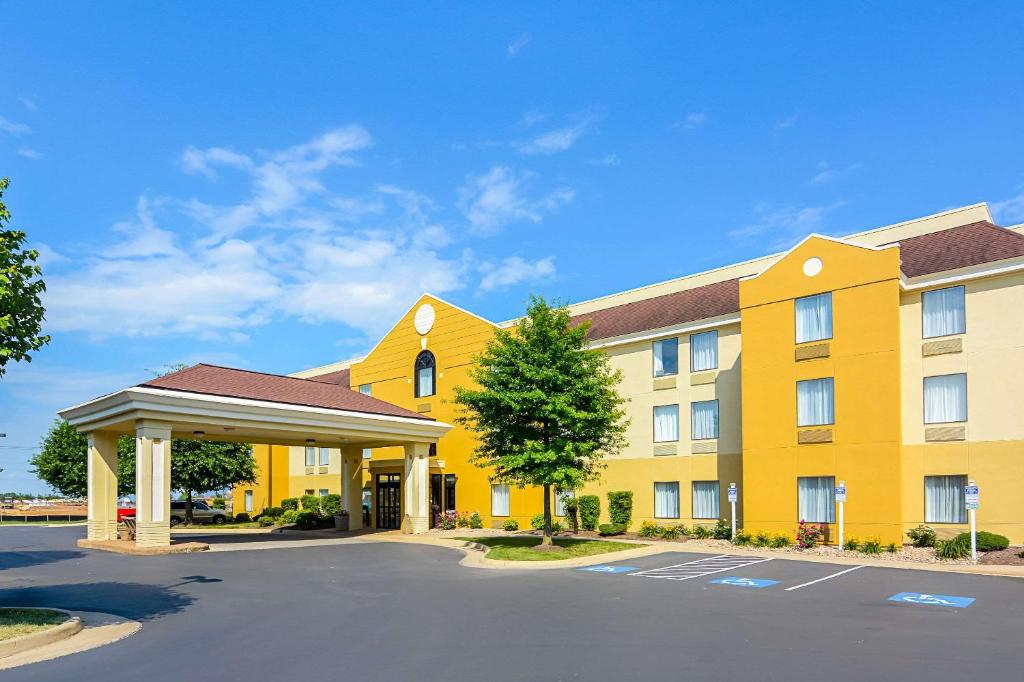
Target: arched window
x=426, y=373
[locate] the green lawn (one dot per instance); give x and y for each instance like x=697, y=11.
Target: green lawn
x=215, y=526
x=522, y=549
x=18, y=622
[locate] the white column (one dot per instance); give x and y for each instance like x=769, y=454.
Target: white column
x=102, y=485
x=352, y=485
x=152, y=484
x=417, y=463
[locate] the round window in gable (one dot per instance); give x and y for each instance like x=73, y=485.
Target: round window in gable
x=812, y=266
x=424, y=319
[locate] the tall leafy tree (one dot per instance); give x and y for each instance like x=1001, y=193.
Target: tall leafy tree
x=21, y=283
x=545, y=410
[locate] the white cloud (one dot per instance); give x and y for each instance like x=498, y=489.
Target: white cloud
x=531, y=118
x=554, y=141
x=782, y=227
x=609, y=160
x=1009, y=211
x=498, y=197
x=515, y=270
x=518, y=44
x=828, y=173
x=30, y=153
x=13, y=127
x=693, y=120
x=29, y=102
x=787, y=122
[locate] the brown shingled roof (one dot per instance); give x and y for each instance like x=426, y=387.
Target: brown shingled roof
x=711, y=300
x=339, y=378
x=240, y=383
x=959, y=247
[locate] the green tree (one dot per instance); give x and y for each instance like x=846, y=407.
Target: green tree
x=546, y=410
x=196, y=465
x=21, y=282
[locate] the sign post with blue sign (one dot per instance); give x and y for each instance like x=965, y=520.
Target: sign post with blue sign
x=732, y=501
x=972, y=500
x=841, y=501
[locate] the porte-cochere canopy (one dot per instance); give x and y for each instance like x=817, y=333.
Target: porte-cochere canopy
x=224, y=404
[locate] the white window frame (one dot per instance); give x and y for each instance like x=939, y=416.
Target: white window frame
x=495, y=509
x=654, y=433
x=663, y=515
x=933, y=294
x=693, y=364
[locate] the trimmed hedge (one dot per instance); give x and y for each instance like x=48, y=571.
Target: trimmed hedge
x=273, y=512
x=590, y=511
x=310, y=503
x=243, y=518
x=330, y=505
x=620, y=507
x=990, y=542
x=306, y=519
x=510, y=525
x=611, y=529
x=290, y=503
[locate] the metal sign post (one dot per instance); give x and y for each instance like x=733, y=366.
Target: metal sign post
x=972, y=499
x=841, y=500
x=732, y=502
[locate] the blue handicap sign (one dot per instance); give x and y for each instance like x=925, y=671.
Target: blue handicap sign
x=744, y=582
x=608, y=569
x=932, y=599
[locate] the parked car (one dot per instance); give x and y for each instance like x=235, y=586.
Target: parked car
x=201, y=513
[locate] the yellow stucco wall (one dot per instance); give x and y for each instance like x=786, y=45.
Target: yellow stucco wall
x=272, y=480
x=864, y=360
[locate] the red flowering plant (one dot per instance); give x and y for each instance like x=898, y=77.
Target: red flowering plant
x=808, y=534
x=447, y=520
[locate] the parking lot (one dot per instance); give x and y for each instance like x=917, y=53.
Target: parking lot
x=388, y=611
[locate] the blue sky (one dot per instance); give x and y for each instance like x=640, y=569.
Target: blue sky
x=269, y=185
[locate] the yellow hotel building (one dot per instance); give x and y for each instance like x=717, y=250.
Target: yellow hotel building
x=890, y=359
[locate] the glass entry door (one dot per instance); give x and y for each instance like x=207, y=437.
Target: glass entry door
x=389, y=501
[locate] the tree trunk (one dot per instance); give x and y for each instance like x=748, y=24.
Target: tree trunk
x=546, y=540
x=188, y=507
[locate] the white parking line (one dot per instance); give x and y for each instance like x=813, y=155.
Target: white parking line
x=827, y=577
x=700, y=567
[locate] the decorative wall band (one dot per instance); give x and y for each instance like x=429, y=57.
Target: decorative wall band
x=323, y=470
x=942, y=347
x=818, y=350
x=423, y=407
x=945, y=433
x=310, y=471
x=703, y=378
x=661, y=383
x=666, y=448
x=814, y=436
x=704, y=447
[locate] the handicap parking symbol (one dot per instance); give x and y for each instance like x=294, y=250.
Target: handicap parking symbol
x=608, y=569
x=932, y=599
x=744, y=582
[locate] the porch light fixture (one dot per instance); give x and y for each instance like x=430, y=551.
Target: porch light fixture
x=310, y=441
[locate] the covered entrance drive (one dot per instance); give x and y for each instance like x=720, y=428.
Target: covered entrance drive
x=222, y=404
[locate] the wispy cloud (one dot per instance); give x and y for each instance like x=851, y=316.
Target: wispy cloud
x=13, y=127
x=556, y=140
x=609, y=160
x=515, y=270
x=532, y=118
x=30, y=153
x=29, y=102
x=1009, y=211
x=518, y=44
x=787, y=122
x=827, y=172
x=781, y=227
x=692, y=121
x=501, y=196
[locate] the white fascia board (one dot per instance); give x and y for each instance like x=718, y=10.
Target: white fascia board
x=962, y=275
x=815, y=235
x=649, y=334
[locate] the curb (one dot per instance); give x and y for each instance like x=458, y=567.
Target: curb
x=72, y=626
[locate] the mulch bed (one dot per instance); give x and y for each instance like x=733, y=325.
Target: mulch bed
x=1003, y=557
x=591, y=534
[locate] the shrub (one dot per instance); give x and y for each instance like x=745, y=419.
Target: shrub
x=990, y=542
x=808, y=534
x=462, y=520
x=781, y=541
x=1020, y=554
x=311, y=503
x=571, y=507
x=762, y=539
x=273, y=512
x=701, y=532
x=670, y=532
x=958, y=547
x=510, y=525
x=330, y=505
x=266, y=521
x=290, y=503
x=589, y=507
x=922, y=536
x=743, y=538
x=620, y=507
x=475, y=521
x=447, y=520
x=851, y=544
x=722, y=530
x=306, y=519
x=891, y=548
x=289, y=516
x=243, y=518
x=537, y=522
x=557, y=527
x=871, y=546
x=649, y=529
x=611, y=529
x=219, y=503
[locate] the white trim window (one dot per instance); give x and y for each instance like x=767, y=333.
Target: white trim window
x=310, y=456
x=560, y=497
x=705, y=499
x=945, y=399
x=499, y=499
x=943, y=312
x=666, y=357
x=814, y=317
x=248, y=500
x=325, y=456
x=816, y=499
x=666, y=423
x=704, y=420
x=704, y=351
x=666, y=500
x=944, y=499
x=815, y=402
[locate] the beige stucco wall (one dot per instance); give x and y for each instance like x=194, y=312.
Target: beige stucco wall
x=299, y=481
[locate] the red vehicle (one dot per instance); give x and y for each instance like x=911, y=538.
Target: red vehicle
x=122, y=512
